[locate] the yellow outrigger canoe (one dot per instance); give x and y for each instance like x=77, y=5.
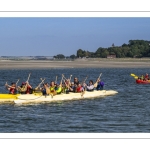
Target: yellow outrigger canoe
x=38, y=97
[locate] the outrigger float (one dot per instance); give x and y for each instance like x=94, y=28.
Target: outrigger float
x=39, y=98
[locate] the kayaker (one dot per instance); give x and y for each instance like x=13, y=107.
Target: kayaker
x=72, y=87
x=146, y=76
x=23, y=88
x=142, y=77
x=12, y=89
x=100, y=85
x=76, y=81
x=29, y=88
x=58, y=88
x=52, y=88
x=45, y=89
x=66, y=87
x=90, y=87
x=79, y=88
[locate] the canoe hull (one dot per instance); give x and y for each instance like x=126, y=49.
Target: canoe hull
x=37, y=98
x=142, y=82
x=62, y=97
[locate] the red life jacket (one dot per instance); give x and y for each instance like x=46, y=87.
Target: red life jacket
x=12, y=90
x=146, y=76
x=28, y=90
x=79, y=89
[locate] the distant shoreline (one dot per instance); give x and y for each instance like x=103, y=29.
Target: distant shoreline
x=80, y=63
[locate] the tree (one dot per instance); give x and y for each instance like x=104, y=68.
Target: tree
x=79, y=53
x=73, y=56
x=59, y=56
x=104, y=53
x=113, y=44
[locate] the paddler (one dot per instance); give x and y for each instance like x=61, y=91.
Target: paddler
x=44, y=89
x=58, y=88
x=72, y=87
x=76, y=81
x=22, y=89
x=25, y=88
x=100, y=84
x=52, y=88
x=12, y=89
x=29, y=88
x=146, y=76
x=90, y=86
x=79, y=88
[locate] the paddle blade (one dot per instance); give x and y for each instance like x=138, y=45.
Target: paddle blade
x=95, y=85
x=133, y=75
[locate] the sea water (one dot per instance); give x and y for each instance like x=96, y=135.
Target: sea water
x=126, y=112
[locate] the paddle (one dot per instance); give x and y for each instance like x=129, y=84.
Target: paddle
x=28, y=77
x=40, y=83
x=6, y=85
x=99, y=75
x=56, y=80
x=17, y=82
x=83, y=92
x=70, y=78
x=85, y=79
x=133, y=75
x=64, y=77
x=61, y=81
x=95, y=85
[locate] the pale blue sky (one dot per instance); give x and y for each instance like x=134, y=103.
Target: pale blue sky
x=52, y=36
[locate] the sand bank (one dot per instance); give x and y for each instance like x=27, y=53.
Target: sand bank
x=35, y=64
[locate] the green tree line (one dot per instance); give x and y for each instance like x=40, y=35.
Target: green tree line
x=134, y=49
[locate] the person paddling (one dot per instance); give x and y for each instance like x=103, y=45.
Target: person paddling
x=58, y=88
x=52, y=88
x=79, y=88
x=29, y=88
x=76, y=81
x=146, y=76
x=44, y=89
x=12, y=89
x=100, y=85
x=90, y=87
x=72, y=87
x=22, y=88
x=25, y=88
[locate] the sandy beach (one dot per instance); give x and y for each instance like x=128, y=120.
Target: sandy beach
x=95, y=63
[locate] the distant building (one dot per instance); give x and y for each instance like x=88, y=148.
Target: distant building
x=111, y=56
